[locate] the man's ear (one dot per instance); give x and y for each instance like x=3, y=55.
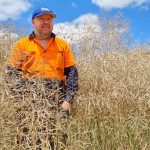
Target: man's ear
x=32, y=21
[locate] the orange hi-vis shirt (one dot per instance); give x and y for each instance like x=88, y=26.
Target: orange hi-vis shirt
x=37, y=62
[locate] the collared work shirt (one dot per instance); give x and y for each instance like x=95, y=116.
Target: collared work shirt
x=35, y=61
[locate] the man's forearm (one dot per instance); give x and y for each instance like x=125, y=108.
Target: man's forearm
x=71, y=83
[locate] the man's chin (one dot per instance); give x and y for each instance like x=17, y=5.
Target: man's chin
x=46, y=31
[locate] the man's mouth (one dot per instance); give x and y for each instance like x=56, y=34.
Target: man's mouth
x=45, y=27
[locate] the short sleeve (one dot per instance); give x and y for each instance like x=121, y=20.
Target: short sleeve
x=68, y=57
x=16, y=57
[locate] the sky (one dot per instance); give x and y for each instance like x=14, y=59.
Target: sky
x=137, y=12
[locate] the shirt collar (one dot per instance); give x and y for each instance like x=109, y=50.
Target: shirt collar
x=32, y=35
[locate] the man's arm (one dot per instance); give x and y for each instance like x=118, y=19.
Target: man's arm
x=71, y=83
x=71, y=74
x=71, y=90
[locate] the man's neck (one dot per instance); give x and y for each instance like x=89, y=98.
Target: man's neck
x=42, y=36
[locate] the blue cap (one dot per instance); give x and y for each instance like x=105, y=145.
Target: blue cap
x=42, y=10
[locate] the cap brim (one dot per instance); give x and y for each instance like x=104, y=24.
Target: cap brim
x=42, y=13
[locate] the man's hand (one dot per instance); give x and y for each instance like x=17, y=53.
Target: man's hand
x=65, y=105
x=64, y=110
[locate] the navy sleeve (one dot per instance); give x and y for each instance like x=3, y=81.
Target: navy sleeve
x=71, y=83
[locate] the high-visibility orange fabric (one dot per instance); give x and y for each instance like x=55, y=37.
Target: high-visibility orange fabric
x=29, y=56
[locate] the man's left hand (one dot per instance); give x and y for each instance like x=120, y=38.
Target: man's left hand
x=64, y=110
x=65, y=105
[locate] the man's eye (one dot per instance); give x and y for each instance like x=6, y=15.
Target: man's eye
x=40, y=19
x=49, y=19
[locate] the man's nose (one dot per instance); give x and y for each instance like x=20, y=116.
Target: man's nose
x=46, y=21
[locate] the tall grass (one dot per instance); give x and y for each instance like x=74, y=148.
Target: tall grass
x=112, y=108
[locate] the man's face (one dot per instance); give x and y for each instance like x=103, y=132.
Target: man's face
x=43, y=24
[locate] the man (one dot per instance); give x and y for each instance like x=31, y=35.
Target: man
x=44, y=57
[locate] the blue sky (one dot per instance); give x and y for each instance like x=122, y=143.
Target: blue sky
x=136, y=11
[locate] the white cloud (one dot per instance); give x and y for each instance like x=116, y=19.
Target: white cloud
x=13, y=8
x=109, y=4
x=78, y=25
x=87, y=19
x=78, y=30
x=86, y=33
